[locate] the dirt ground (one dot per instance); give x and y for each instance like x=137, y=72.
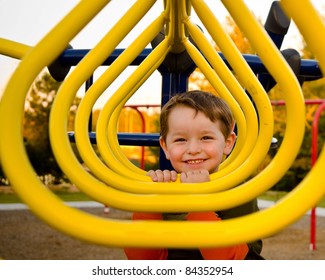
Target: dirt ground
x=23, y=236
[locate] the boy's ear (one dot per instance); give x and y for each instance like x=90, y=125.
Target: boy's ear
x=230, y=142
x=164, y=147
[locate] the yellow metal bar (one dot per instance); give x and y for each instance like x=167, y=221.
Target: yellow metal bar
x=174, y=30
x=13, y=49
x=116, y=165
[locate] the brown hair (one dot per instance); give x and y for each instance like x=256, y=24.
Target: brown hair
x=210, y=105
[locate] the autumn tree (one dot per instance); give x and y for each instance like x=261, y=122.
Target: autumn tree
x=36, y=125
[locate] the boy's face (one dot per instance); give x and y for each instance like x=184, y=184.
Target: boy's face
x=193, y=142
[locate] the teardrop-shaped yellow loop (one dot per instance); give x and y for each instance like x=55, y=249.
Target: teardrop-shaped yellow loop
x=165, y=233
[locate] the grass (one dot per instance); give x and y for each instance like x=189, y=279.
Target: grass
x=65, y=196
x=79, y=196
x=277, y=195
x=9, y=198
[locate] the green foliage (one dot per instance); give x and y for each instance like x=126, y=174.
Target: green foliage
x=302, y=164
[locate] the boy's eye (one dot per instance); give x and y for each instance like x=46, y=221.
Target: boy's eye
x=207, y=138
x=180, y=140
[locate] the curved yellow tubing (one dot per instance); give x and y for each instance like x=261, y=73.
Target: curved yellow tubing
x=112, y=141
x=105, y=147
x=124, y=233
x=246, y=151
x=266, y=125
x=8, y=47
x=253, y=164
x=112, y=128
x=91, y=95
x=102, y=194
x=110, y=150
x=63, y=153
x=103, y=128
x=17, y=50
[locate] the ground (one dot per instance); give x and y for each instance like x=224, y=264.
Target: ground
x=23, y=236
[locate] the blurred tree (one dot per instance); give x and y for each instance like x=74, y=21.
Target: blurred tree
x=311, y=90
x=36, y=125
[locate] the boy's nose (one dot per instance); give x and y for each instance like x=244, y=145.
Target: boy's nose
x=194, y=147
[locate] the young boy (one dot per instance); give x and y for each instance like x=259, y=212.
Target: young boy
x=196, y=135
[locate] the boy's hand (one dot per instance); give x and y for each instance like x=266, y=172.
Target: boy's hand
x=162, y=176
x=198, y=176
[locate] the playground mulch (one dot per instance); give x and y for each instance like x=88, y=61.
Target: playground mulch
x=24, y=237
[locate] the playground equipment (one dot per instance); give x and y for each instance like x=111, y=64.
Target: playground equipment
x=118, y=183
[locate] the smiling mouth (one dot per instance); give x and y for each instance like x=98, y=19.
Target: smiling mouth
x=195, y=161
